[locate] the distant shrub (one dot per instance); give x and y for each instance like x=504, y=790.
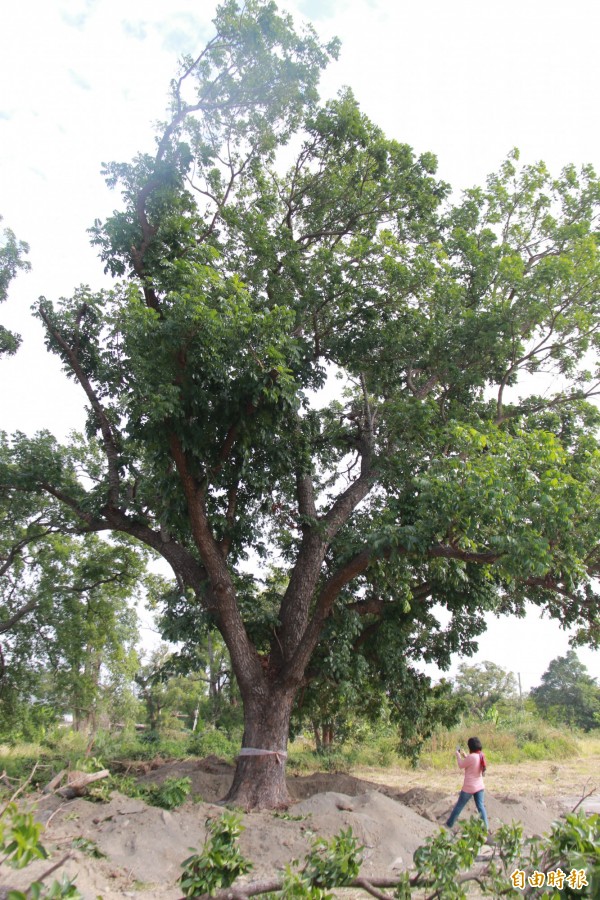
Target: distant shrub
x=554, y=745
x=526, y=736
x=64, y=741
x=336, y=761
x=114, y=744
x=212, y=743
x=169, y=794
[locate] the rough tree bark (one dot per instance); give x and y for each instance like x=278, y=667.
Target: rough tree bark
x=259, y=780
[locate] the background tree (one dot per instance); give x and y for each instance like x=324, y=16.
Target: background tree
x=568, y=694
x=152, y=688
x=437, y=477
x=484, y=686
x=11, y=260
x=176, y=695
x=92, y=652
x=67, y=629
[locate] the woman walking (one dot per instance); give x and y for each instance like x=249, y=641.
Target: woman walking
x=474, y=768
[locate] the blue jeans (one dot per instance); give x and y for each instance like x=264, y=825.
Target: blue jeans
x=463, y=799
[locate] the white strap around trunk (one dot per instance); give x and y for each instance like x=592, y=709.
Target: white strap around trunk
x=254, y=751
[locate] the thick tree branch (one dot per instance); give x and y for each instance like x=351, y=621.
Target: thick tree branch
x=305, y=492
x=325, y=600
x=449, y=551
x=346, y=503
x=245, y=660
x=31, y=536
x=16, y=549
x=91, y=522
x=295, y=603
x=354, y=567
x=183, y=563
x=9, y=624
x=181, y=560
x=369, y=606
x=109, y=440
x=316, y=538
x=421, y=391
x=232, y=496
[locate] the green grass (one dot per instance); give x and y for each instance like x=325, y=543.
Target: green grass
x=523, y=738
x=528, y=738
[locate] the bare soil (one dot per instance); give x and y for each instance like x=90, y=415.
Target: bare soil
x=390, y=811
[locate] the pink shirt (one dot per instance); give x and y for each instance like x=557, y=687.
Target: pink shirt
x=473, y=777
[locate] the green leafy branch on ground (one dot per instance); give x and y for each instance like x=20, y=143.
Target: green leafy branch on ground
x=220, y=863
x=567, y=860
x=171, y=793
x=19, y=846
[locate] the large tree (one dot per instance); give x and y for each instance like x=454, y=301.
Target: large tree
x=270, y=249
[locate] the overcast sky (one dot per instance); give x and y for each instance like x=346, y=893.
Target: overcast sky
x=83, y=81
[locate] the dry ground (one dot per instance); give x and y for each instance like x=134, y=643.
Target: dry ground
x=390, y=811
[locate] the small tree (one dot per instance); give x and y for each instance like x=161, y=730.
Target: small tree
x=568, y=693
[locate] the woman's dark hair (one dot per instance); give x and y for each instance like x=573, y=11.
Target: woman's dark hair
x=474, y=745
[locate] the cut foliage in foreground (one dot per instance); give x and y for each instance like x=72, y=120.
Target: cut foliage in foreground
x=568, y=857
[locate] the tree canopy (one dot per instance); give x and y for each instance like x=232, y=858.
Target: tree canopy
x=568, y=693
x=330, y=397
x=484, y=686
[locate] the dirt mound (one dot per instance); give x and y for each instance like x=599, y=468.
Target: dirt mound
x=426, y=802
x=389, y=831
x=211, y=777
x=143, y=846
x=303, y=786
x=536, y=814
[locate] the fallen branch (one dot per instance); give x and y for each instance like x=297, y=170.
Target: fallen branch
x=271, y=885
x=373, y=886
x=6, y=890
x=77, y=783
x=51, y=816
x=54, y=867
x=54, y=782
x=18, y=791
x=584, y=796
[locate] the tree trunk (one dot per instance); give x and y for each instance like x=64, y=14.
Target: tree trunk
x=259, y=779
x=317, y=734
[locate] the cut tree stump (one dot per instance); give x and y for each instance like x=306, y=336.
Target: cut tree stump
x=52, y=785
